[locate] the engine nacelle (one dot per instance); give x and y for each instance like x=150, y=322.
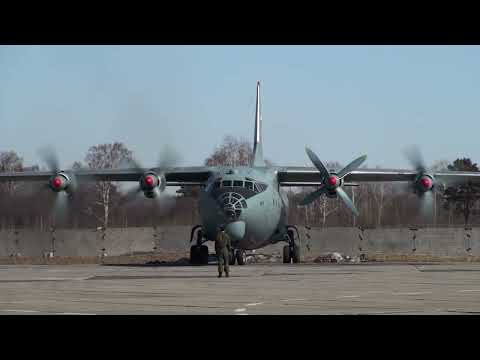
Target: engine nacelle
x=150, y=194
x=424, y=183
x=149, y=181
x=331, y=194
x=59, y=182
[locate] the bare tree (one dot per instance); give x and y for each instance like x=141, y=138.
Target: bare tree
x=232, y=152
x=9, y=162
x=382, y=195
x=106, y=156
x=439, y=165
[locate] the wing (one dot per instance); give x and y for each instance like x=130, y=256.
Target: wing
x=310, y=176
x=175, y=176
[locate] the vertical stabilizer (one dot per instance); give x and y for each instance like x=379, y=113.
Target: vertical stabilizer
x=257, y=142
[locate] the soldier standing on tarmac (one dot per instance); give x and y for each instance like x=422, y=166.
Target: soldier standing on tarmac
x=223, y=249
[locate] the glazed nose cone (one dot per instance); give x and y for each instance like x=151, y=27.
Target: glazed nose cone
x=236, y=230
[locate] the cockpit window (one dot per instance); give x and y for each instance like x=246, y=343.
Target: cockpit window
x=226, y=183
x=249, y=185
x=238, y=183
x=259, y=187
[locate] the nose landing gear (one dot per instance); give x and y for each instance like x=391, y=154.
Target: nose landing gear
x=291, y=252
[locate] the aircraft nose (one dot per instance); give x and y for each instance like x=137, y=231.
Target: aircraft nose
x=231, y=212
x=232, y=204
x=236, y=230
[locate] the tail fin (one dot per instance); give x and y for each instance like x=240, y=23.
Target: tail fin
x=257, y=142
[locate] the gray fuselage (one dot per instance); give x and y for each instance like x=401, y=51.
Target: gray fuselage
x=249, y=202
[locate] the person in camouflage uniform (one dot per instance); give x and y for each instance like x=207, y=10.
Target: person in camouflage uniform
x=223, y=248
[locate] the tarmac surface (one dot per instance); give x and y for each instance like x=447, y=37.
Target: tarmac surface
x=252, y=289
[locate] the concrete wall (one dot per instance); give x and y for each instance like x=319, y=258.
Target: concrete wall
x=350, y=241
x=439, y=242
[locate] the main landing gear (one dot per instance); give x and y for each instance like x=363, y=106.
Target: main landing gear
x=239, y=256
x=291, y=252
x=198, y=252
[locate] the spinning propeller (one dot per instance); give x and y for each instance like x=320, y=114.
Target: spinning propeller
x=63, y=184
x=424, y=184
x=332, y=182
x=153, y=182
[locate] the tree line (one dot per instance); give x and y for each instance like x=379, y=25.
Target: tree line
x=102, y=204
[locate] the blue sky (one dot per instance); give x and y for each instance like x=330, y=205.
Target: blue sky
x=342, y=101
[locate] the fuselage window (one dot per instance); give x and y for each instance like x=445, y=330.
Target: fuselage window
x=249, y=185
x=226, y=183
x=238, y=183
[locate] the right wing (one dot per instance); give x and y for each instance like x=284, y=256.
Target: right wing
x=310, y=176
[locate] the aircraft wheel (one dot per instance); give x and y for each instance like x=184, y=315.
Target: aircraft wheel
x=296, y=254
x=241, y=257
x=232, y=257
x=194, y=255
x=203, y=255
x=286, y=254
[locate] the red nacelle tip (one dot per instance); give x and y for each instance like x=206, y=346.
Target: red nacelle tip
x=149, y=180
x=426, y=183
x=57, y=183
x=332, y=180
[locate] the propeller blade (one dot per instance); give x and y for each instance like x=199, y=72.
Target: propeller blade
x=312, y=196
x=346, y=199
x=168, y=157
x=163, y=202
x=132, y=195
x=415, y=158
x=50, y=157
x=132, y=163
x=318, y=164
x=60, y=209
x=426, y=207
x=352, y=166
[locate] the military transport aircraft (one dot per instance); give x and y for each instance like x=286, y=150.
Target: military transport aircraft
x=250, y=200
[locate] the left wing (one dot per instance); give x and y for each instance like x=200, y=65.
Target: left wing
x=174, y=176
